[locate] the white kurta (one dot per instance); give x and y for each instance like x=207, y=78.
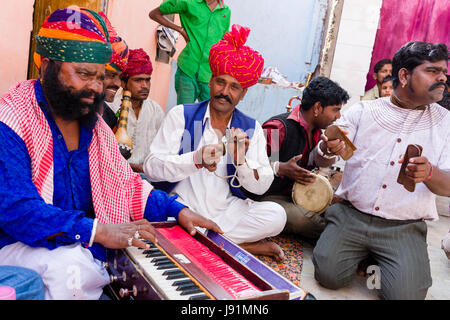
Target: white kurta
x=142, y=130
x=381, y=132
x=209, y=195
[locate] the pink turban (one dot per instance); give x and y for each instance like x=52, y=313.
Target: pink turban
x=232, y=57
x=138, y=63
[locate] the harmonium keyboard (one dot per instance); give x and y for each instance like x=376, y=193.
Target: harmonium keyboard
x=183, y=267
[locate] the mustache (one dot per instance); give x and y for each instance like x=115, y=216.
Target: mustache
x=221, y=96
x=113, y=87
x=434, y=86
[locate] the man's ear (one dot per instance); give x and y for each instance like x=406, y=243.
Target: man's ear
x=375, y=75
x=317, y=108
x=44, y=65
x=403, y=77
x=244, y=92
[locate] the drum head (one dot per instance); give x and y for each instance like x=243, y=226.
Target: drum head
x=315, y=197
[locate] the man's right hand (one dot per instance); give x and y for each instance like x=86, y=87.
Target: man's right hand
x=115, y=236
x=183, y=32
x=209, y=156
x=293, y=171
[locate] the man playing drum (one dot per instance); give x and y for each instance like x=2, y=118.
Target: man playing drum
x=292, y=140
x=380, y=217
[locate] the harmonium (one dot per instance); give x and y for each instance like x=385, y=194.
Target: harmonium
x=184, y=267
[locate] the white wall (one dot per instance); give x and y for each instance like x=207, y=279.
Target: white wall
x=357, y=31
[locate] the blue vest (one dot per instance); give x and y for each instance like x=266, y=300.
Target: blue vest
x=194, y=128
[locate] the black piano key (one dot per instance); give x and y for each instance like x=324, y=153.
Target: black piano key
x=186, y=286
x=166, y=266
x=158, y=259
x=199, y=297
x=182, y=282
x=174, y=276
x=161, y=262
x=170, y=272
x=151, y=251
x=190, y=291
x=155, y=254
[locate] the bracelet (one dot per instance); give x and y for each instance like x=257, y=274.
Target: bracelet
x=197, y=165
x=431, y=172
x=94, y=230
x=275, y=166
x=323, y=155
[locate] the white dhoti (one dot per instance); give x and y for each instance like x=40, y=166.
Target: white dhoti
x=254, y=221
x=68, y=272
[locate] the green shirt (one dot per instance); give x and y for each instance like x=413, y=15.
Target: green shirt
x=204, y=28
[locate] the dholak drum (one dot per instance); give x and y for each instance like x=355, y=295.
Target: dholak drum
x=317, y=196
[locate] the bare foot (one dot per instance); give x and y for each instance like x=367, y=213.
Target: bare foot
x=265, y=248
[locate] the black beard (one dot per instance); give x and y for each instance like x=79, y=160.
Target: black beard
x=68, y=105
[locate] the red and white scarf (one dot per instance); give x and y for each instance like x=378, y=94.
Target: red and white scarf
x=118, y=193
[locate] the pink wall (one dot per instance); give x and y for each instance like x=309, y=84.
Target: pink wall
x=15, y=30
x=133, y=24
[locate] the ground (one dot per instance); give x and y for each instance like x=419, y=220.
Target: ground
x=357, y=290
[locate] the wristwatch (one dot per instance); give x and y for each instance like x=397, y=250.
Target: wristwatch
x=323, y=155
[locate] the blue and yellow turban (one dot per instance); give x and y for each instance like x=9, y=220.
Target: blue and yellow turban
x=74, y=35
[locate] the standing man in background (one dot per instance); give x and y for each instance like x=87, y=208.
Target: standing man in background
x=203, y=23
x=382, y=69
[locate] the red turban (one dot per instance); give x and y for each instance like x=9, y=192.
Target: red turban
x=138, y=63
x=232, y=57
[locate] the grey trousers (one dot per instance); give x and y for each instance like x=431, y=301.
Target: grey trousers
x=399, y=247
x=299, y=220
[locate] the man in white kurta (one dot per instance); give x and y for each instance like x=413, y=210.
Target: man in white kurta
x=379, y=217
x=145, y=116
x=204, y=186
x=142, y=130
x=205, y=192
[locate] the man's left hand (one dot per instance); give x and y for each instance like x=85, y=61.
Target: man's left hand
x=238, y=146
x=418, y=169
x=188, y=219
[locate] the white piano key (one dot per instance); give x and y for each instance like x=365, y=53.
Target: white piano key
x=150, y=269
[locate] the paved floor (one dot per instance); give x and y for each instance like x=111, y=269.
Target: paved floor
x=357, y=290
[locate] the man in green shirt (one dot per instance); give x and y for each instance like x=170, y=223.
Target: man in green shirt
x=203, y=24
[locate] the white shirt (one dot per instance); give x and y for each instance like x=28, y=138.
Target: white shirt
x=381, y=132
x=200, y=189
x=143, y=130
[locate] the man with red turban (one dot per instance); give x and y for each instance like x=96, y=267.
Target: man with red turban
x=146, y=115
x=221, y=155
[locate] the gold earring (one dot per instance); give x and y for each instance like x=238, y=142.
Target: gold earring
x=403, y=85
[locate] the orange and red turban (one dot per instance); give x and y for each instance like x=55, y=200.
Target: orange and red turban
x=138, y=63
x=231, y=56
x=120, y=54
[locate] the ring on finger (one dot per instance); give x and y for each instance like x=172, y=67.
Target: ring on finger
x=137, y=235
x=130, y=242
